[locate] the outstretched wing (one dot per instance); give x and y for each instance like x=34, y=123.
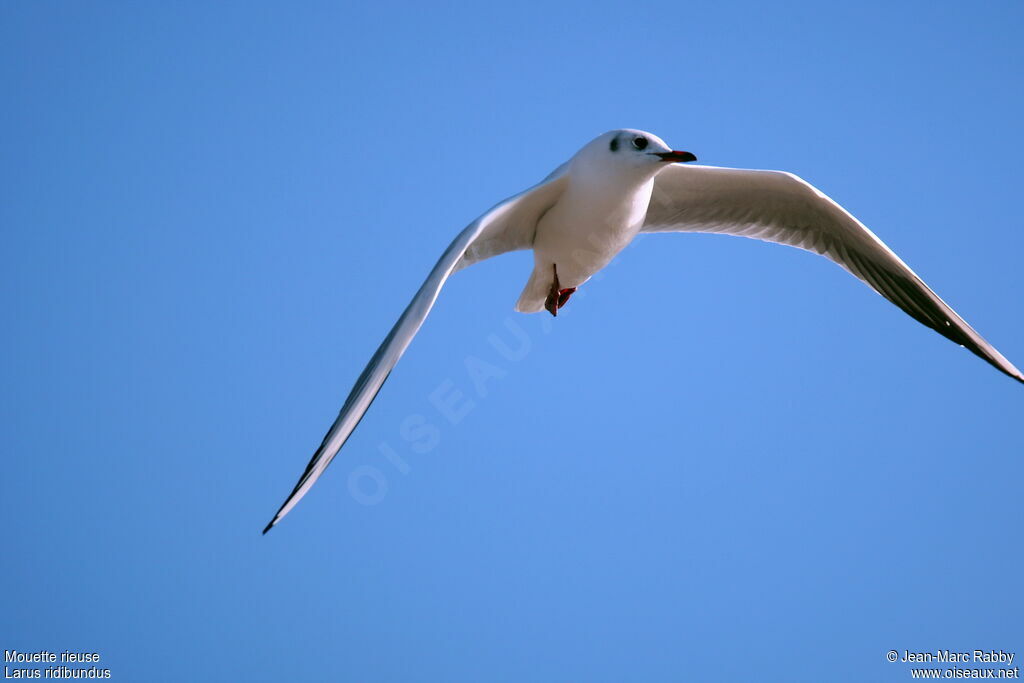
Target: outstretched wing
x=509, y=226
x=780, y=207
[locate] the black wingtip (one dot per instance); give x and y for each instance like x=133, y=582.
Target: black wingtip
x=270, y=526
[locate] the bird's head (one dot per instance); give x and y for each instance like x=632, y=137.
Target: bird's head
x=629, y=151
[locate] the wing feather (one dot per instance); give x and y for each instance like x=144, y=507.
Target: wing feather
x=508, y=226
x=780, y=207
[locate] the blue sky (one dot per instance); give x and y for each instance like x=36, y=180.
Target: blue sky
x=729, y=461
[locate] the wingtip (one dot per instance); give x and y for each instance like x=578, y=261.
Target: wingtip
x=269, y=526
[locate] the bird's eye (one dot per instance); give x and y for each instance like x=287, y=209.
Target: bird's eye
x=640, y=143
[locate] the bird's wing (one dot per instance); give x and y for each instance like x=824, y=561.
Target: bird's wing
x=508, y=226
x=501, y=237
x=780, y=207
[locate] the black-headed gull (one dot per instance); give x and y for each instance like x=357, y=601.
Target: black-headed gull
x=623, y=183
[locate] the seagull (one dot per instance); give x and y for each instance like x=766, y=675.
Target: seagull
x=623, y=183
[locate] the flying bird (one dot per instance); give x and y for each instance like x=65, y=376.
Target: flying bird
x=627, y=182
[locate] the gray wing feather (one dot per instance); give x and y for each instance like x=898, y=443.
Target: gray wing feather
x=508, y=226
x=779, y=207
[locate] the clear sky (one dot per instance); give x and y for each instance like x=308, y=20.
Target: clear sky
x=728, y=461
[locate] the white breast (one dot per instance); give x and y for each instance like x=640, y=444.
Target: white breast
x=589, y=225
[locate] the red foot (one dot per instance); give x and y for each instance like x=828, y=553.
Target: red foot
x=564, y=294
x=557, y=297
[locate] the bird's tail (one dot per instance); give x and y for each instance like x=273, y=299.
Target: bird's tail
x=536, y=291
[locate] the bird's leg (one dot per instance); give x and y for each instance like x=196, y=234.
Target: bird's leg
x=557, y=297
x=551, y=303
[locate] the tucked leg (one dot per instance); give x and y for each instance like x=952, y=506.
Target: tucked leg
x=551, y=303
x=557, y=297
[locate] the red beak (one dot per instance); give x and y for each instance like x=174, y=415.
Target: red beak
x=674, y=156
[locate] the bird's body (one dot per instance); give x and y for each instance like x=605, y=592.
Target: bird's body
x=616, y=187
x=596, y=217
